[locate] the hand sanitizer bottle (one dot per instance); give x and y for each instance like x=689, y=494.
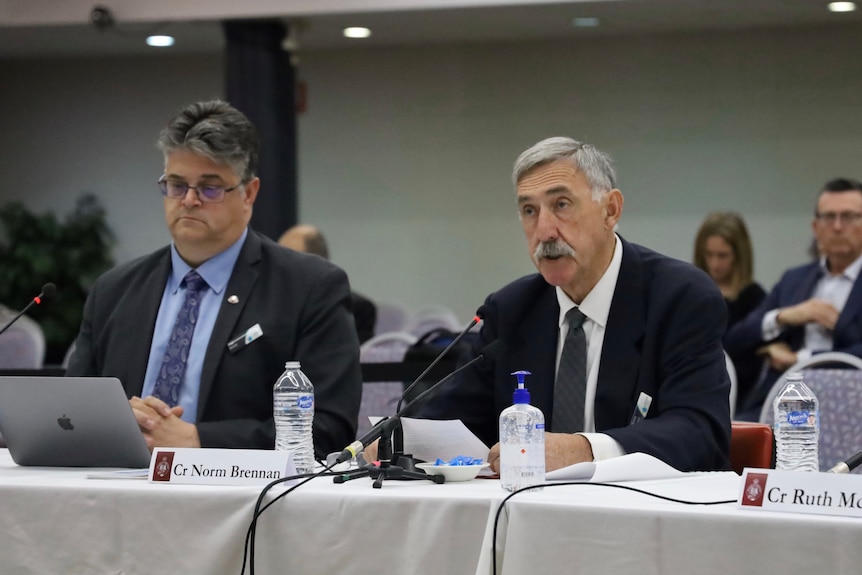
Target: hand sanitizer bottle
x=522, y=441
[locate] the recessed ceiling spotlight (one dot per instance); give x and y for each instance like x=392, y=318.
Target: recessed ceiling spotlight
x=357, y=32
x=842, y=6
x=586, y=22
x=160, y=41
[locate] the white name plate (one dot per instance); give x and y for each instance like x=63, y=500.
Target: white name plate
x=193, y=466
x=801, y=492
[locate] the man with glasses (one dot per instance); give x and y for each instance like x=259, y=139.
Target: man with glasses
x=813, y=308
x=199, y=331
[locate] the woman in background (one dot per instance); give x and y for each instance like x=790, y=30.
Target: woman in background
x=723, y=250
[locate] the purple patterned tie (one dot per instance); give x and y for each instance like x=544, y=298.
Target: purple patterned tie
x=170, y=376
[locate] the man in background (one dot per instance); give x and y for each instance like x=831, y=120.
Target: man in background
x=813, y=308
x=199, y=331
x=307, y=238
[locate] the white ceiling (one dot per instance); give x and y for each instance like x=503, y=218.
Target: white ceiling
x=29, y=32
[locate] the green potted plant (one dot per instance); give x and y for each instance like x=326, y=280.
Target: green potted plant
x=39, y=248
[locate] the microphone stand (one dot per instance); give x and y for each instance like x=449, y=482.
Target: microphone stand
x=387, y=469
x=395, y=464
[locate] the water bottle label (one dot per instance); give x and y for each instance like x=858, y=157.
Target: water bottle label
x=799, y=418
x=305, y=401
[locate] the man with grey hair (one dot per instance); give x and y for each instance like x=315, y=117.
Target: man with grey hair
x=623, y=343
x=199, y=331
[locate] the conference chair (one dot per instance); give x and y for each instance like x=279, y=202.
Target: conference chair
x=751, y=445
x=838, y=387
x=431, y=317
x=379, y=398
x=390, y=317
x=731, y=374
x=22, y=346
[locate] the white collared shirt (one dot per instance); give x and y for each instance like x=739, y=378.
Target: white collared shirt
x=596, y=307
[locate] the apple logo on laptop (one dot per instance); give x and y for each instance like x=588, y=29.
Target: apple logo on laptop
x=65, y=423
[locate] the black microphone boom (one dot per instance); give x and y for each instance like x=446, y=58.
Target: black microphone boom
x=480, y=314
x=847, y=466
x=48, y=291
x=490, y=352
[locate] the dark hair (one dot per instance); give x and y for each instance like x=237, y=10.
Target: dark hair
x=218, y=131
x=731, y=227
x=842, y=185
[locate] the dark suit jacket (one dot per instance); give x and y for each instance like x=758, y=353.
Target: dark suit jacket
x=663, y=338
x=302, y=305
x=364, y=316
x=795, y=286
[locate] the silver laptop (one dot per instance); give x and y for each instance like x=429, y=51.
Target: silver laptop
x=70, y=422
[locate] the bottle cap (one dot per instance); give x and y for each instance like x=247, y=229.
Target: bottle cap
x=291, y=365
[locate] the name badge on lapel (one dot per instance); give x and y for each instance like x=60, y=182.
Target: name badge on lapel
x=243, y=340
x=642, y=408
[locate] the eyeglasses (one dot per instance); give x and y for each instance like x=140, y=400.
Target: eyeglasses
x=849, y=218
x=206, y=194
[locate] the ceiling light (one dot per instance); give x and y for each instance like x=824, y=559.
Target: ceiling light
x=586, y=22
x=357, y=32
x=160, y=41
x=842, y=6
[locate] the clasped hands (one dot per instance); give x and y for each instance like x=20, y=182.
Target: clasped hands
x=821, y=312
x=161, y=424
x=561, y=450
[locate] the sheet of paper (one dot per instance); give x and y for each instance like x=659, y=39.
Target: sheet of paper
x=119, y=474
x=630, y=467
x=430, y=439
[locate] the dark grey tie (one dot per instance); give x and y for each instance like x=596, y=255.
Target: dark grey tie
x=570, y=389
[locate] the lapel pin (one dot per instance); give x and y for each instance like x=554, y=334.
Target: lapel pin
x=233, y=299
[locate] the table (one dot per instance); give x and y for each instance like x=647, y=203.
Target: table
x=59, y=521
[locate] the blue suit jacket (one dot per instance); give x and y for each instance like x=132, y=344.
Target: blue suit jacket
x=795, y=286
x=302, y=304
x=663, y=338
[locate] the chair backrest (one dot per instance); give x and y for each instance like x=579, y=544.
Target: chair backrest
x=428, y=318
x=839, y=393
x=731, y=373
x=751, y=445
x=22, y=346
x=390, y=317
x=379, y=398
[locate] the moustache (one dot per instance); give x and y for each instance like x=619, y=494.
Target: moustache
x=553, y=250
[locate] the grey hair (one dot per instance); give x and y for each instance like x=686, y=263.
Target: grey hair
x=594, y=164
x=218, y=131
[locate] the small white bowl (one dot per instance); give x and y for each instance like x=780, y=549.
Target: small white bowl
x=453, y=472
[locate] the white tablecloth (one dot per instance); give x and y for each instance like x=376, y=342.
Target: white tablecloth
x=59, y=521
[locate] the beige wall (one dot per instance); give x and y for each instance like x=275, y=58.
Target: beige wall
x=405, y=154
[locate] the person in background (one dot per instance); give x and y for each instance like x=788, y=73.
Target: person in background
x=308, y=239
x=722, y=249
x=816, y=307
x=624, y=344
x=199, y=331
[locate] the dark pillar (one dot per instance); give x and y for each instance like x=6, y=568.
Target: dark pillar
x=261, y=83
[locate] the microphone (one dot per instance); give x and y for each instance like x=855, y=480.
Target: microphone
x=48, y=291
x=849, y=465
x=490, y=352
x=480, y=314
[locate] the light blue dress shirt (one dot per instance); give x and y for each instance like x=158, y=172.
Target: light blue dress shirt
x=216, y=271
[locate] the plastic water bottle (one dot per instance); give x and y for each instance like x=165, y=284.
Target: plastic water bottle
x=293, y=410
x=797, y=426
x=522, y=441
